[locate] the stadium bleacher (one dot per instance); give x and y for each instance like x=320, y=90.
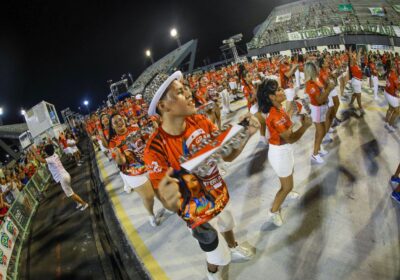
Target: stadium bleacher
x=166, y=64
x=308, y=15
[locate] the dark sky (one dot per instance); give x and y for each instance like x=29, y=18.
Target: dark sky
x=65, y=51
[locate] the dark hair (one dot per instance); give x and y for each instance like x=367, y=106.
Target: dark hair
x=101, y=117
x=242, y=74
x=49, y=149
x=266, y=88
x=321, y=62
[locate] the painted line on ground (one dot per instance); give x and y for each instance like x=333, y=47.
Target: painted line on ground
x=144, y=254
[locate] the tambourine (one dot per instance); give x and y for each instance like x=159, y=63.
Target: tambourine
x=203, y=158
x=302, y=106
x=133, y=136
x=203, y=109
x=380, y=68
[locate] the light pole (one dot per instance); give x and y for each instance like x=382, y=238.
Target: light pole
x=174, y=34
x=1, y=114
x=23, y=112
x=86, y=103
x=148, y=54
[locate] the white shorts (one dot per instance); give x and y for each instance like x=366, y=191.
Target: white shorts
x=233, y=85
x=392, y=100
x=281, y=159
x=222, y=223
x=66, y=184
x=333, y=93
x=318, y=113
x=68, y=151
x=290, y=94
x=254, y=109
x=356, y=84
x=272, y=77
x=134, y=181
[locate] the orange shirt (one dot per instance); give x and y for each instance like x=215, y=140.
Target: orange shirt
x=164, y=150
x=277, y=122
x=201, y=95
x=323, y=76
x=285, y=81
x=392, y=83
x=372, y=68
x=247, y=89
x=356, y=71
x=313, y=90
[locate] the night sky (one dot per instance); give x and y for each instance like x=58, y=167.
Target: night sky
x=65, y=51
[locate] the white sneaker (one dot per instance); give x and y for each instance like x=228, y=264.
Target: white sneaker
x=78, y=205
x=127, y=189
x=327, y=139
x=84, y=207
x=390, y=128
x=215, y=276
x=276, y=218
x=317, y=159
x=293, y=195
x=322, y=152
x=263, y=140
x=331, y=130
x=241, y=254
x=153, y=221
x=168, y=212
x=78, y=164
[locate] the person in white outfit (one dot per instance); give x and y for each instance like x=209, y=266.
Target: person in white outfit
x=60, y=175
x=225, y=97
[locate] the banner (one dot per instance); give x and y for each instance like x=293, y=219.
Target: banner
x=327, y=31
x=396, y=8
x=377, y=11
x=6, y=247
x=396, y=30
x=284, y=17
x=345, y=7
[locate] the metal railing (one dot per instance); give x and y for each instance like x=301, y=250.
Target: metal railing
x=16, y=225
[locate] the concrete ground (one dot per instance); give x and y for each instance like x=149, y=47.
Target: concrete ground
x=344, y=226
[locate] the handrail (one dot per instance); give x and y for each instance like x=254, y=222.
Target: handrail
x=16, y=226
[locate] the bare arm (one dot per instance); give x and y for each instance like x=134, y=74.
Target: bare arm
x=289, y=73
x=290, y=137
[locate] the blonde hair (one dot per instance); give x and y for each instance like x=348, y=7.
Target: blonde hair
x=310, y=71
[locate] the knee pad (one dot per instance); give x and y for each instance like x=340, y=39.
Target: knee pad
x=207, y=237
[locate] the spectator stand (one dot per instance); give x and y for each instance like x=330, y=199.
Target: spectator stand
x=16, y=225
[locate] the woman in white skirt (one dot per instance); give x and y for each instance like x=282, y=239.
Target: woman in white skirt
x=392, y=96
x=280, y=155
x=130, y=163
x=318, y=94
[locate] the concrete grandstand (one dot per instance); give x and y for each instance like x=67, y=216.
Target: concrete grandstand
x=304, y=24
x=171, y=61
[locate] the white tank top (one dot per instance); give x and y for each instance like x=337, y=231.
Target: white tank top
x=56, y=168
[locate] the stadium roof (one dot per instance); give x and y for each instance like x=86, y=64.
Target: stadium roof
x=12, y=131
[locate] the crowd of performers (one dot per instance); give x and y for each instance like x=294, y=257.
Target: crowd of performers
x=148, y=136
